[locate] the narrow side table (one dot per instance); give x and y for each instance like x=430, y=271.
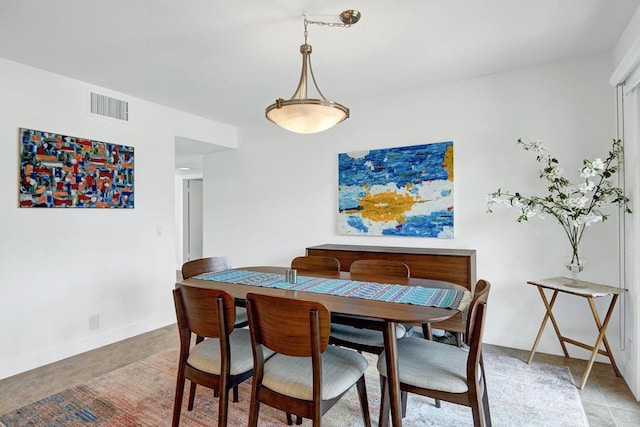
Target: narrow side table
x=586, y=290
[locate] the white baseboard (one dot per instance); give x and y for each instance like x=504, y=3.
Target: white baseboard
x=25, y=362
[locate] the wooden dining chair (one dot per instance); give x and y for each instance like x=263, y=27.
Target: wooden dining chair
x=305, y=376
x=208, y=265
x=199, y=266
x=455, y=325
x=443, y=371
x=368, y=340
x=223, y=359
x=315, y=263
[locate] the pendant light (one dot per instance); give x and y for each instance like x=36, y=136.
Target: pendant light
x=300, y=113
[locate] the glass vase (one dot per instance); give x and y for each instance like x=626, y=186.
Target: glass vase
x=575, y=263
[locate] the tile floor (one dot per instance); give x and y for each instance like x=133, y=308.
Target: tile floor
x=606, y=399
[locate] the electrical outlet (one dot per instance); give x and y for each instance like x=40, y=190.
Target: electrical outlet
x=94, y=322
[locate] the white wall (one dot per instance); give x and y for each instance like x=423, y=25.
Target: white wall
x=628, y=41
x=277, y=194
x=59, y=266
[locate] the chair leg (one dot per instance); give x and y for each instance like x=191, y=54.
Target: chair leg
x=477, y=394
x=403, y=400
x=428, y=334
x=290, y=420
x=485, y=407
x=235, y=394
x=223, y=405
x=485, y=395
x=254, y=408
x=385, y=403
x=316, y=420
x=192, y=389
x=364, y=402
x=192, y=396
x=177, y=403
x=478, y=413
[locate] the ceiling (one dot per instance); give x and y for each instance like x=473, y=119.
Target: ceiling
x=228, y=60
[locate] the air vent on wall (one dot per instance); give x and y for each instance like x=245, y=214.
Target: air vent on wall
x=103, y=105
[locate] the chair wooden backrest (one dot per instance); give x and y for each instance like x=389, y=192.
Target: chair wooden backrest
x=380, y=266
x=366, y=340
x=288, y=326
x=205, y=265
x=315, y=263
x=475, y=338
x=209, y=313
x=476, y=377
x=480, y=296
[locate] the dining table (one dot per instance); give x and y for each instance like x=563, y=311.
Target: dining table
x=354, y=307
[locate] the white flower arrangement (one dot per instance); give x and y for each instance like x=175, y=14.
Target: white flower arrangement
x=575, y=207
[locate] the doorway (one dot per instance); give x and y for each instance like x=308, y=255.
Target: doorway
x=192, y=219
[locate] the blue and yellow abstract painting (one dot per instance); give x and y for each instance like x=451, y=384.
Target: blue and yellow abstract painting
x=402, y=191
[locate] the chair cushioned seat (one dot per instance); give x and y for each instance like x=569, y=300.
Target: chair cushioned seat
x=363, y=336
x=429, y=364
x=206, y=355
x=293, y=377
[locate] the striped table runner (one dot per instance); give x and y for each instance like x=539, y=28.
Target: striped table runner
x=416, y=295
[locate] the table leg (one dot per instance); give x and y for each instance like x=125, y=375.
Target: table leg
x=393, y=378
x=602, y=327
x=549, y=314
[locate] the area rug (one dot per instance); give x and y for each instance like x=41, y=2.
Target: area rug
x=141, y=395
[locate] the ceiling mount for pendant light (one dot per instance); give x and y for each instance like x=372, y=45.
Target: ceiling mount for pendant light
x=301, y=114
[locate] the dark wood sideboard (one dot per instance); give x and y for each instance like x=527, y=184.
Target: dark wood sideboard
x=450, y=265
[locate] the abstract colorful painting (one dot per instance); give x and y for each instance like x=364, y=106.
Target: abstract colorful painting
x=403, y=191
x=59, y=171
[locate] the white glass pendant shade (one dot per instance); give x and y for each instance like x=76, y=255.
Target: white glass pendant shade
x=306, y=115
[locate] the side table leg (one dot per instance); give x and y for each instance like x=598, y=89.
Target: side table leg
x=601, y=338
x=549, y=306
